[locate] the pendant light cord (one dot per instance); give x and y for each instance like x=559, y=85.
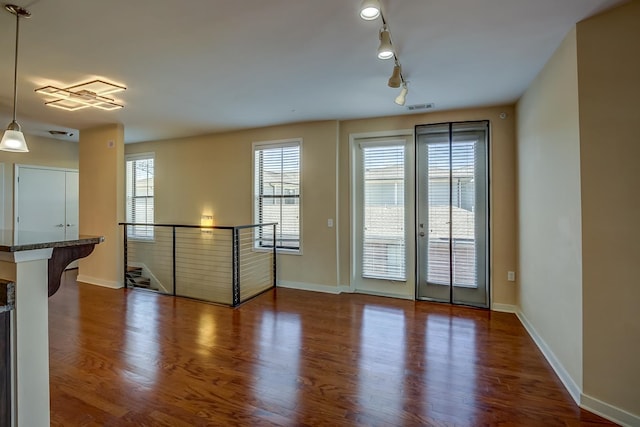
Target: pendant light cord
x=15, y=69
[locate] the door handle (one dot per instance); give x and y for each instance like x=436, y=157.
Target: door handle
x=421, y=234
x=71, y=225
x=59, y=226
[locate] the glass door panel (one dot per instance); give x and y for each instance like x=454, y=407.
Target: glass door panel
x=451, y=172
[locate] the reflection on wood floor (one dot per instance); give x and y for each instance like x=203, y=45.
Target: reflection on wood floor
x=294, y=358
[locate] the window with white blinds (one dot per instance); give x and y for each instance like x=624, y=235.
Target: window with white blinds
x=384, y=246
x=277, y=193
x=140, y=195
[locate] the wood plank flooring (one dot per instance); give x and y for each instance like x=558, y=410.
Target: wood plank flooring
x=294, y=358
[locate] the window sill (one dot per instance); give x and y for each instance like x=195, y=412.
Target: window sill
x=279, y=251
x=141, y=239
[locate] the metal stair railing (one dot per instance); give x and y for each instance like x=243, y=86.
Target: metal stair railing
x=220, y=264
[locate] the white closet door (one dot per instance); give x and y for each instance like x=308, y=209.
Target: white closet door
x=46, y=204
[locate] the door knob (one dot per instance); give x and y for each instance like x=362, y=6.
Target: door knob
x=421, y=234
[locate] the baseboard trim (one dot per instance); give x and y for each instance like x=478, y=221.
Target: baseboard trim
x=559, y=369
x=591, y=404
x=384, y=294
x=504, y=308
x=99, y=282
x=313, y=287
x=610, y=412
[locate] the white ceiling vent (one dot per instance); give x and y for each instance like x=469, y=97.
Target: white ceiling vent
x=421, y=106
x=60, y=133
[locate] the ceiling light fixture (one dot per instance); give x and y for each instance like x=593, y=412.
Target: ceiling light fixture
x=402, y=98
x=385, y=51
x=369, y=9
x=13, y=138
x=396, y=78
x=83, y=95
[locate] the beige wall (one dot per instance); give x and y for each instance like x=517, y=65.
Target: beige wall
x=549, y=210
x=102, y=203
x=609, y=82
x=502, y=204
x=42, y=152
x=213, y=174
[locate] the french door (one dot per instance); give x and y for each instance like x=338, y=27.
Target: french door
x=383, y=215
x=452, y=213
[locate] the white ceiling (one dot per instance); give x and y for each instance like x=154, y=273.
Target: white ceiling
x=203, y=66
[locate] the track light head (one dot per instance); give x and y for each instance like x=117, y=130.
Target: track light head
x=396, y=78
x=369, y=9
x=402, y=98
x=385, y=51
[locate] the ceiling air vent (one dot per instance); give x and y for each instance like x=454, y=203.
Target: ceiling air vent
x=421, y=106
x=60, y=133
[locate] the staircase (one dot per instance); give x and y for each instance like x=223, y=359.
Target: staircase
x=136, y=279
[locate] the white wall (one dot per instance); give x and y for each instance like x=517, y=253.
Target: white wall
x=549, y=209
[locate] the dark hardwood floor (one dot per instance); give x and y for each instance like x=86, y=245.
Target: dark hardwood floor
x=294, y=358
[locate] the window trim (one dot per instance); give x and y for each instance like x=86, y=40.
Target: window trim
x=135, y=157
x=281, y=143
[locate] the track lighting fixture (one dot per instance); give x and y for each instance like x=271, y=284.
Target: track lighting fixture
x=385, y=51
x=369, y=9
x=402, y=98
x=13, y=138
x=396, y=78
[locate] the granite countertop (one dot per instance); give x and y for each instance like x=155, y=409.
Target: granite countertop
x=33, y=240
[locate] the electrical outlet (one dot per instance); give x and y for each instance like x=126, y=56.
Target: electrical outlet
x=511, y=276
x=330, y=222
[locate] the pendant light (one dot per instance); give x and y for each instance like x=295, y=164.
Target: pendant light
x=13, y=138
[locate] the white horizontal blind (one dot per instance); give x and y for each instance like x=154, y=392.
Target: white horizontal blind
x=277, y=194
x=439, y=191
x=463, y=225
x=384, y=246
x=140, y=196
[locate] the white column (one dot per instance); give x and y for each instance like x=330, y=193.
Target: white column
x=30, y=333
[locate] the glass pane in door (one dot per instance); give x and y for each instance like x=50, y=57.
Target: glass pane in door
x=438, y=196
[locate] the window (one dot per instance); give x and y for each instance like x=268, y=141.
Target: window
x=276, y=183
x=140, y=191
x=383, y=251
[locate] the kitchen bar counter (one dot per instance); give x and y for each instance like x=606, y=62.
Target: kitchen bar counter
x=34, y=265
